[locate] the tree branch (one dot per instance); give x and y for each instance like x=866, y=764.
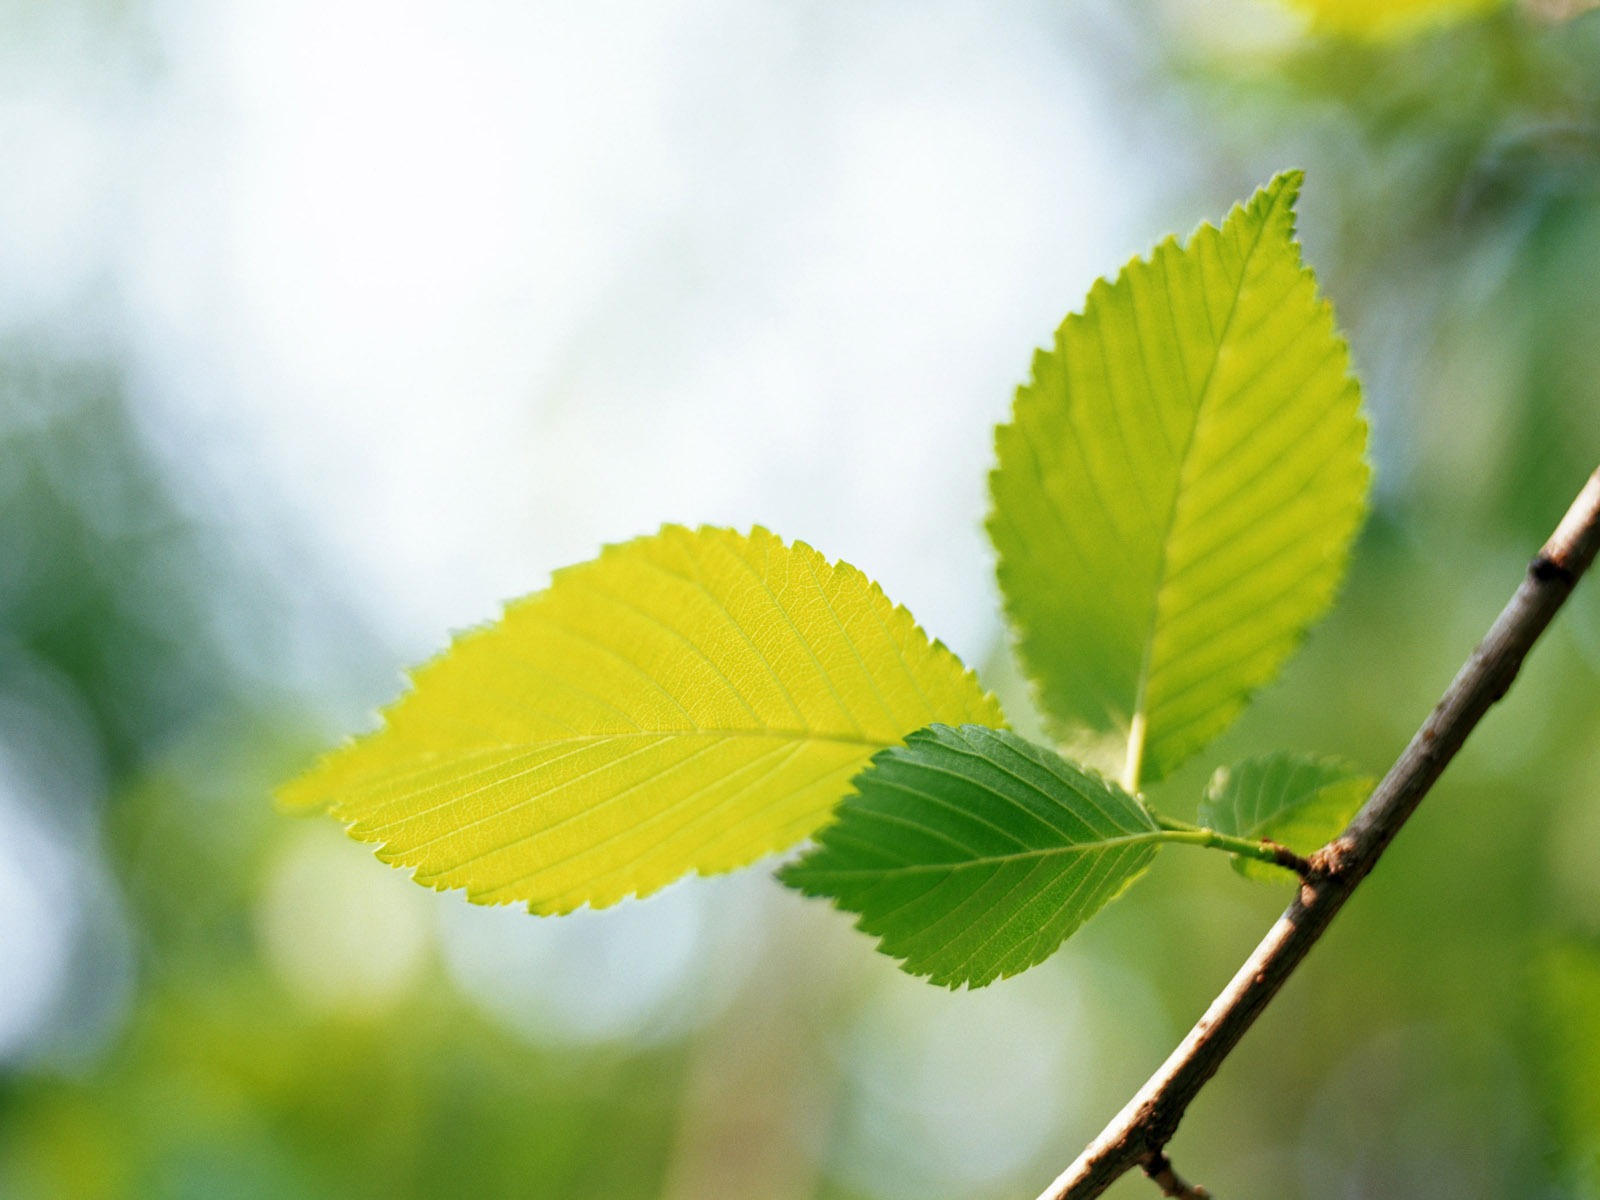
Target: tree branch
x=1138, y=1135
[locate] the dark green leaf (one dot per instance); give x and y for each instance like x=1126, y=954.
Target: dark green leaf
x=973, y=853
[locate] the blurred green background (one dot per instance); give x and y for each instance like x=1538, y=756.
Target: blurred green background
x=326, y=326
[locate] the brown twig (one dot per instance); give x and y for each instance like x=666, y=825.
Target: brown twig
x=1139, y=1134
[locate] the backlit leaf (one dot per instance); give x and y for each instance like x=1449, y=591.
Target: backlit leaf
x=686, y=702
x=1179, y=486
x=973, y=853
x=1295, y=800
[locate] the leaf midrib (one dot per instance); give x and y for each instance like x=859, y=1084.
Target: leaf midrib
x=1136, y=731
x=993, y=860
x=789, y=735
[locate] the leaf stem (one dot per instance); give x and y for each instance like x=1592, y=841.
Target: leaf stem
x=1133, y=766
x=1183, y=833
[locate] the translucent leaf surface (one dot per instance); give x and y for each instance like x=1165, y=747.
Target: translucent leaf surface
x=973, y=853
x=1295, y=800
x=686, y=702
x=1179, y=486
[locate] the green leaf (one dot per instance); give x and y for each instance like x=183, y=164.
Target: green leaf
x=686, y=702
x=1179, y=487
x=973, y=853
x=1295, y=800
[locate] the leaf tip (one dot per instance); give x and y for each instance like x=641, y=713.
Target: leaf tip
x=313, y=789
x=298, y=796
x=1287, y=184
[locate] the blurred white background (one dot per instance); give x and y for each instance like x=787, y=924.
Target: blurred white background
x=467, y=289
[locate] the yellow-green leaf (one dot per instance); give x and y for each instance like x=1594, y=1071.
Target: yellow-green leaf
x=685, y=702
x=1179, y=487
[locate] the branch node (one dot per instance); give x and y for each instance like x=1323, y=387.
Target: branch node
x=1331, y=861
x=1546, y=569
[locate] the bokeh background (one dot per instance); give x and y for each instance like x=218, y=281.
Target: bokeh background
x=326, y=326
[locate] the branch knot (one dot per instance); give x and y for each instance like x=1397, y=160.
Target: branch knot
x=1545, y=569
